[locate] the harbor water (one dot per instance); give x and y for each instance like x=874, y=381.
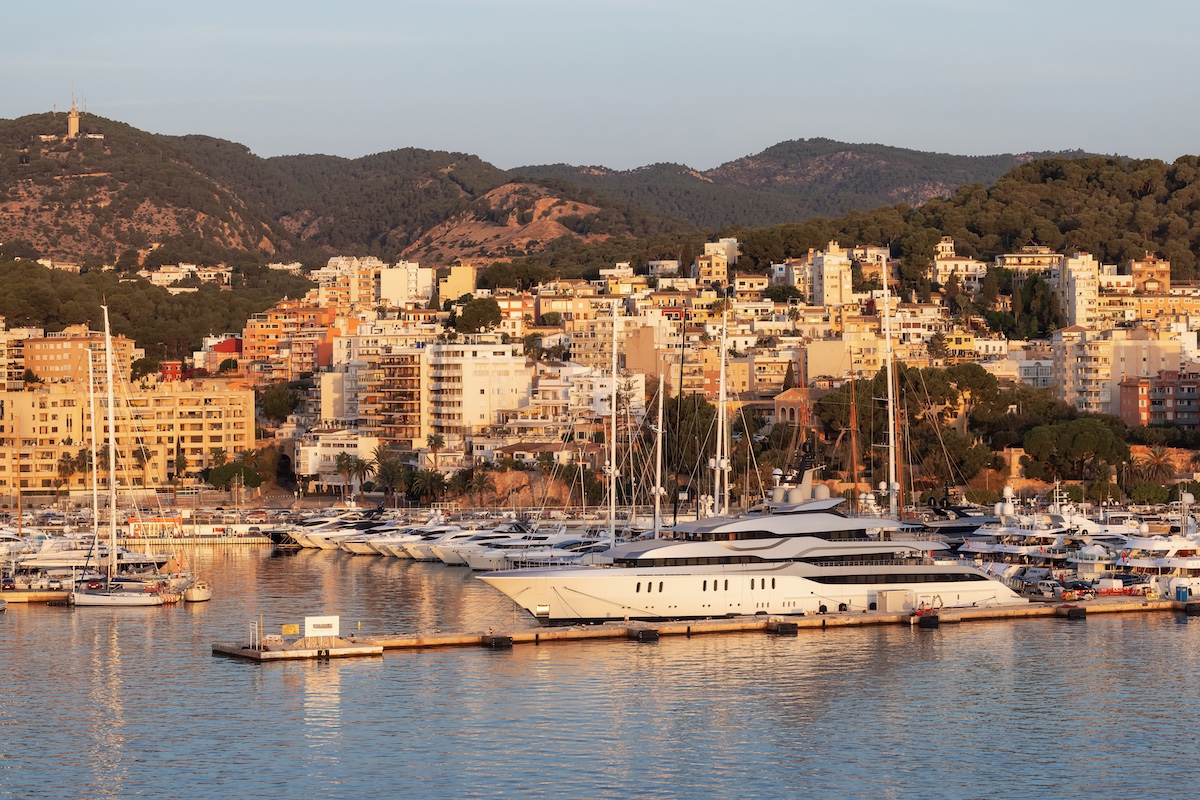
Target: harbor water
x=103, y=702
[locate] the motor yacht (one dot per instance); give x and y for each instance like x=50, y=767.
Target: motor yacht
x=801, y=558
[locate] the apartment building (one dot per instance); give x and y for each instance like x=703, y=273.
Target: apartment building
x=52, y=422
x=63, y=356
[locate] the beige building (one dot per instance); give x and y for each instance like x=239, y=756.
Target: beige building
x=460, y=281
x=63, y=356
x=53, y=422
x=1088, y=366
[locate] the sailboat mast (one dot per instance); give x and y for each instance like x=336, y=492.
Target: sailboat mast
x=112, y=448
x=95, y=478
x=612, y=447
x=891, y=396
x=658, y=456
x=721, y=487
x=853, y=439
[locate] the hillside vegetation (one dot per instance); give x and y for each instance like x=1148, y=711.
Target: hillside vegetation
x=166, y=325
x=791, y=181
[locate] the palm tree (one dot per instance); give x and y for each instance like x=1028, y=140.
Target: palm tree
x=66, y=468
x=482, y=481
x=391, y=476
x=383, y=455
x=435, y=442
x=1158, y=467
x=361, y=469
x=141, y=456
x=218, y=458
x=428, y=483
x=460, y=482
x=344, y=466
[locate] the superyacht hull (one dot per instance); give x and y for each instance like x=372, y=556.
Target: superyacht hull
x=565, y=595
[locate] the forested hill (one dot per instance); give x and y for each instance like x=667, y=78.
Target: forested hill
x=116, y=190
x=121, y=194
x=426, y=205
x=792, y=181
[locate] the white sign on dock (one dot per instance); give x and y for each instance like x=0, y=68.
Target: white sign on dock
x=321, y=626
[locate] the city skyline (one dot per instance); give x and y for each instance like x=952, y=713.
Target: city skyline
x=618, y=83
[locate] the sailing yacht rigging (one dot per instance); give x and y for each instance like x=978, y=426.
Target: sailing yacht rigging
x=111, y=594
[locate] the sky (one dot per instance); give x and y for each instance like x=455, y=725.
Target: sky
x=620, y=83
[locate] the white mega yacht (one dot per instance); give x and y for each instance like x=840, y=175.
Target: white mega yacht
x=803, y=558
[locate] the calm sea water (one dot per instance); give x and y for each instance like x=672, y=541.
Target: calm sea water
x=101, y=703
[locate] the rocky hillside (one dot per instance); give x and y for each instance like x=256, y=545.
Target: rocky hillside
x=124, y=195
x=116, y=189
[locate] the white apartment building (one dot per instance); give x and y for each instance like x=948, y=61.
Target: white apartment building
x=471, y=380
x=407, y=283
x=832, y=277
x=1031, y=260
x=1076, y=282
x=946, y=263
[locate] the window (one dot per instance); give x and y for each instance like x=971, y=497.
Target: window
x=660, y=583
x=639, y=587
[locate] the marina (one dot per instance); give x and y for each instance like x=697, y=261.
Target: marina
x=957, y=711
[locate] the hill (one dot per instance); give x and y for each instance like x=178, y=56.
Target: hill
x=420, y=204
x=117, y=189
x=791, y=181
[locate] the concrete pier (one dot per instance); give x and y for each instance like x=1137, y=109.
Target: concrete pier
x=789, y=625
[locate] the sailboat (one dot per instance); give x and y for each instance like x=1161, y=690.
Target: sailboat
x=110, y=593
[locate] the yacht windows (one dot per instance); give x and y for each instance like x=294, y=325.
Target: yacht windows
x=915, y=577
x=705, y=586
x=639, y=588
x=727, y=584
x=660, y=583
x=772, y=583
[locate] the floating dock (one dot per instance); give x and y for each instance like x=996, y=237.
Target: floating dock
x=300, y=650
x=279, y=649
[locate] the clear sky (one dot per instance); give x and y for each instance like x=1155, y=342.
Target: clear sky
x=620, y=82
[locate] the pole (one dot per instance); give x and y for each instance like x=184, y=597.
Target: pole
x=891, y=397
x=612, y=447
x=112, y=447
x=658, y=455
x=721, y=492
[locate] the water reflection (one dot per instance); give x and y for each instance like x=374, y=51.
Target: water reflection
x=105, y=702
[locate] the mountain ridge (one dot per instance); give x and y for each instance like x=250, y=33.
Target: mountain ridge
x=129, y=195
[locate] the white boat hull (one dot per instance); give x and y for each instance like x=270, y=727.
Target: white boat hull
x=115, y=599
x=578, y=594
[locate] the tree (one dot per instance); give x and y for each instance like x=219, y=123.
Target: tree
x=482, y=483
x=392, y=476
x=360, y=469
x=344, y=464
x=219, y=457
x=480, y=314
x=789, y=377
x=181, y=463
x=1157, y=467
x=65, y=469
x=937, y=346
x=228, y=365
x=428, y=484
x=552, y=318
x=278, y=401
x=781, y=293
x=435, y=442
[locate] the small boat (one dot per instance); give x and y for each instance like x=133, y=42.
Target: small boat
x=198, y=592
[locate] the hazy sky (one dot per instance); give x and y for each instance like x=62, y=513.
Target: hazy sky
x=620, y=82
